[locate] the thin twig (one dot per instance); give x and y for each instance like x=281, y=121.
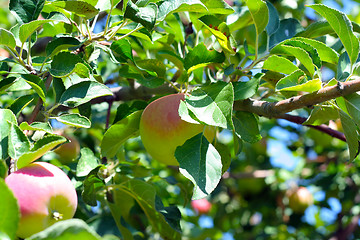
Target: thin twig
x=322, y=128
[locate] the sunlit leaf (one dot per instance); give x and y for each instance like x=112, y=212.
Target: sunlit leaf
x=211, y=105
x=26, y=11
x=200, y=56
x=118, y=133
x=201, y=163
x=40, y=147
x=83, y=92
x=343, y=28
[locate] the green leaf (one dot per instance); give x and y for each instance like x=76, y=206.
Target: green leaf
x=67, y=229
x=260, y=14
x=320, y=115
x=243, y=19
x=86, y=163
x=7, y=39
x=173, y=57
x=216, y=7
x=41, y=147
x=350, y=132
x=118, y=133
x=58, y=87
x=80, y=8
x=316, y=29
x=82, y=70
x=343, y=28
x=146, y=16
x=26, y=11
x=20, y=103
x=125, y=109
x=83, y=92
x=37, y=126
x=10, y=214
x=151, y=72
x=274, y=21
x=145, y=195
x=287, y=29
x=172, y=6
x=225, y=154
x=200, y=56
x=308, y=48
x=92, y=184
x=7, y=118
x=120, y=205
x=122, y=50
x=75, y=120
x=352, y=103
x=6, y=83
x=37, y=84
x=29, y=28
x=63, y=64
x=201, y=164
x=343, y=68
x=326, y=53
x=279, y=64
x=297, y=82
x=244, y=90
x=297, y=52
x=3, y=170
x=61, y=43
x=18, y=143
x=246, y=127
x=172, y=214
x=211, y=105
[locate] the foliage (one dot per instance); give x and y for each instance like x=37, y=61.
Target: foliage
x=91, y=67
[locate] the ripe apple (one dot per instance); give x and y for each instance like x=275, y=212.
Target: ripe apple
x=300, y=199
x=68, y=152
x=45, y=195
x=162, y=130
x=201, y=206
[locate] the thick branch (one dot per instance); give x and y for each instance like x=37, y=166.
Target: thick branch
x=274, y=109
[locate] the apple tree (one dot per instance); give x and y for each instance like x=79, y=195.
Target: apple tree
x=261, y=141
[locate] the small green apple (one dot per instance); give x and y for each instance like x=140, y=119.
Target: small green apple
x=162, y=130
x=300, y=199
x=68, y=152
x=45, y=195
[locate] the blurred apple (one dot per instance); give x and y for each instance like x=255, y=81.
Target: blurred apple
x=300, y=199
x=45, y=195
x=201, y=206
x=162, y=130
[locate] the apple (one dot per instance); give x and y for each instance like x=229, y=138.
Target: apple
x=201, y=206
x=68, y=152
x=162, y=130
x=45, y=196
x=300, y=199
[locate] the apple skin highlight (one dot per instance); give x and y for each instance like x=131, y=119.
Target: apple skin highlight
x=162, y=130
x=45, y=195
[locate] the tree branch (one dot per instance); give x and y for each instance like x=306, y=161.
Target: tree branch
x=274, y=109
x=323, y=128
x=345, y=233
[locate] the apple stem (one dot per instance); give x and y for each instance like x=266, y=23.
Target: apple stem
x=12, y=167
x=57, y=216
